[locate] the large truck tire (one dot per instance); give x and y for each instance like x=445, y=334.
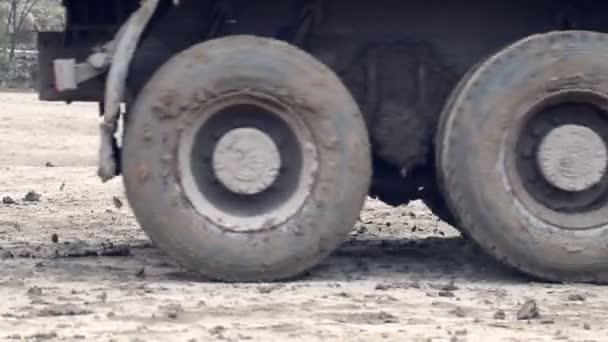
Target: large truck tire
x=246, y=159
x=524, y=156
x=436, y=200
x=437, y=205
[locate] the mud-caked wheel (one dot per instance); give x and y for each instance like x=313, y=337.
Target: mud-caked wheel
x=246, y=159
x=435, y=199
x=524, y=156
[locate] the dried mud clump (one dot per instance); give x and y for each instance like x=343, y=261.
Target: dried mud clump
x=528, y=311
x=32, y=196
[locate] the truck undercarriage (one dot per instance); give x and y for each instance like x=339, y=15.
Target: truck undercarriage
x=401, y=61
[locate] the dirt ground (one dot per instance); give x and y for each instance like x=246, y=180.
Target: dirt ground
x=75, y=265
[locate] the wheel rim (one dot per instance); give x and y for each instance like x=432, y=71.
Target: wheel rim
x=560, y=168
x=247, y=162
x=572, y=158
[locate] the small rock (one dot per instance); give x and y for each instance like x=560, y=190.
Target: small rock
x=447, y=294
x=6, y=255
x=270, y=288
x=576, y=298
x=24, y=254
x=49, y=164
x=462, y=332
x=117, y=202
x=449, y=287
x=459, y=312
x=103, y=296
x=32, y=196
x=388, y=317
x=586, y=326
x=173, y=310
x=34, y=291
x=528, y=311
x=382, y=287
x=54, y=238
x=385, y=299
x=8, y=200
x=500, y=315
x=218, y=329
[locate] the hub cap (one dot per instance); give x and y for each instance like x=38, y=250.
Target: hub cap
x=246, y=161
x=572, y=158
x=560, y=174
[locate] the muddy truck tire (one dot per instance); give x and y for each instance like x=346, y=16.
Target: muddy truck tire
x=437, y=205
x=436, y=200
x=524, y=158
x=246, y=159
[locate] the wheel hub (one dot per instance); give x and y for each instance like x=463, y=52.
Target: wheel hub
x=561, y=161
x=246, y=161
x=572, y=158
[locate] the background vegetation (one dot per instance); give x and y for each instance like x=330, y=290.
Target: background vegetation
x=19, y=22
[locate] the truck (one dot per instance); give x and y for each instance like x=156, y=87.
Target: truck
x=253, y=131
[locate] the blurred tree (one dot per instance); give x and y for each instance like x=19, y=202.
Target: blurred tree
x=19, y=13
x=20, y=19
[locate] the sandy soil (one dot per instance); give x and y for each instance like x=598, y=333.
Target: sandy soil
x=74, y=265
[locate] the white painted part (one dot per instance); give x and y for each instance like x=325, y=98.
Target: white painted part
x=123, y=47
x=98, y=60
x=246, y=161
x=573, y=157
x=65, y=74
